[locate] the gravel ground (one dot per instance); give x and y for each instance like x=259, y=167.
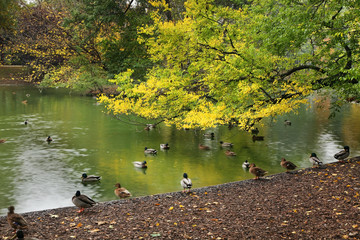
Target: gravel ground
x=319, y=203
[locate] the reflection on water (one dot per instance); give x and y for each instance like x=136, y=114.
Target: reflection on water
x=37, y=175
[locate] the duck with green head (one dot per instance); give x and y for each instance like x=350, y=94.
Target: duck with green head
x=82, y=201
x=89, y=178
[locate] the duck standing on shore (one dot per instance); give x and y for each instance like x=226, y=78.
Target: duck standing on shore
x=89, y=178
x=315, y=160
x=258, y=172
x=121, y=192
x=82, y=201
x=287, y=165
x=343, y=154
x=15, y=220
x=186, y=183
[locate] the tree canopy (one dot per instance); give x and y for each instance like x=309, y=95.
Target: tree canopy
x=225, y=65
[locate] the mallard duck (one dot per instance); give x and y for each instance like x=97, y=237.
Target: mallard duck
x=287, y=122
x=246, y=164
x=82, y=201
x=315, y=160
x=15, y=220
x=186, y=183
x=90, y=178
x=140, y=164
x=343, y=154
x=255, y=131
x=258, y=172
x=226, y=144
x=204, y=147
x=121, y=192
x=48, y=139
x=209, y=135
x=230, y=153
x=150, y=151
x=287, y=164
x=257, y=138
x=164, y=146
x=2, y=140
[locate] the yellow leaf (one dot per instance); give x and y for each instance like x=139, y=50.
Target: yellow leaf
x=171, y=208
x=79, y=225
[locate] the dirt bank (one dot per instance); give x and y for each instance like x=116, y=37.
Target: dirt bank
x=307, y=204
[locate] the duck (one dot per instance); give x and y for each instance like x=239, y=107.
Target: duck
x=90, y=178
x=16, y=220
x=26, y=122
x=48, y=139
x=230, y=153
x=164, y=146
x=343, y=154
x=255, y=131
x=150, y=151
x=140, y=164
x=2, y=140
x=315, y=160
x=287, y=165
x=226, y=144
x=258, y=172
x=209, y=135
x=287, y=122
x=82, y=201
x=186, y=183
x=246, y=164
x=257, y=138
x=121, y=192
x=204, y=147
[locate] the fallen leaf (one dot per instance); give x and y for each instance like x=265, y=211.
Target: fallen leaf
x=94, y=230
x=101, y=222
x=171, y=208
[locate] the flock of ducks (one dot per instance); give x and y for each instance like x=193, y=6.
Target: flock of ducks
x=18, y=223
x=82, y=201
x=258, y=172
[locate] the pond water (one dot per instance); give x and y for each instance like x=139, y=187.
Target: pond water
x=36, y=175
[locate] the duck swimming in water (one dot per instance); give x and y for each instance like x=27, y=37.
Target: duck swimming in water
x=150, y=151
x=90, y=178
x=140, y=164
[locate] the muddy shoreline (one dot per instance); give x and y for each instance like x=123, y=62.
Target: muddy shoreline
x=306, y=204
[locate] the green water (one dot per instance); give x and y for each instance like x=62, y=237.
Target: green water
x=36, y=175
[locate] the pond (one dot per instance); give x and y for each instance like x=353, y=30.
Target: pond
x=37, y=175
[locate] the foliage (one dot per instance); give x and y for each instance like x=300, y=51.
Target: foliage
x=222, y=65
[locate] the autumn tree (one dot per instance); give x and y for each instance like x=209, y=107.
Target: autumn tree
x=226, y=65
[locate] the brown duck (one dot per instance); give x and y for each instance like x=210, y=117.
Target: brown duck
x=287, y=165
x=15, y=220
x=230, y=153
x=258, y=172
x=121, y=192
